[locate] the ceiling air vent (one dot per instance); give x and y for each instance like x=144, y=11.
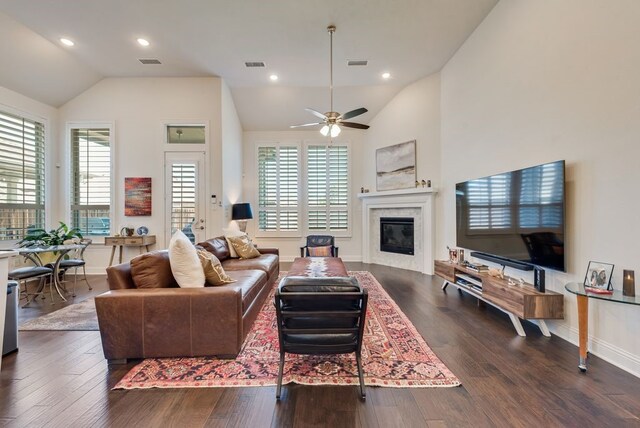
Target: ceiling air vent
x=357, y=62
x=254, y=64
x=147, y=61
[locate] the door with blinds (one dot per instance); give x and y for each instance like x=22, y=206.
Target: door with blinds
x=185, y=195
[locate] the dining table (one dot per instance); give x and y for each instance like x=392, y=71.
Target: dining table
x=35, y=253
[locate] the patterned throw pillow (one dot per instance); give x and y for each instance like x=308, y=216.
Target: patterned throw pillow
x=243, y=247
x=319, y=251
x=213, y=271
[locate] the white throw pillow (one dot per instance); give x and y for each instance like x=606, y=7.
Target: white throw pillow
x=231, y=232
x=185, y=263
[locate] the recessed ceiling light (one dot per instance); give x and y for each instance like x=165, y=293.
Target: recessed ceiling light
x=273, y=77
x=143, y=42
x=386, y=75
x=66, y=42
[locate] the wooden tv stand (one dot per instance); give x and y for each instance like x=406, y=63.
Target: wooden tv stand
x=517, y=301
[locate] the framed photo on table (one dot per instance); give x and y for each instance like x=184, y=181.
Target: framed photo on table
x=598, y=275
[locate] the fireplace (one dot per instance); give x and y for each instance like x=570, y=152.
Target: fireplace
x=396, y=235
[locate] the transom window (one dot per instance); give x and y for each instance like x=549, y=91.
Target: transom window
x=22, y=175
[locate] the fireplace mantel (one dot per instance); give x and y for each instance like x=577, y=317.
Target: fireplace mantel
x=421, y=198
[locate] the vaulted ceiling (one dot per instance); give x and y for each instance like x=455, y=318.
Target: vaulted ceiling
x=407, y=38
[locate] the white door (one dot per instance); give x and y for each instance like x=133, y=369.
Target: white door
x=185, y=203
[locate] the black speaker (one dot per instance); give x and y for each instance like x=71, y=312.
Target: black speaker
x=538, y=279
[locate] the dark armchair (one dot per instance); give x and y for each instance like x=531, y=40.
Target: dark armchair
x=314, y=241
x=317, y=316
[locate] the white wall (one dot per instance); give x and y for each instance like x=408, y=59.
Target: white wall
x=232, y=149
x=139, y=108
x=545, y=80
x=350, y=247
x=413, y=114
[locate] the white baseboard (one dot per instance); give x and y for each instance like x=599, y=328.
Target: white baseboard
x=608, y=352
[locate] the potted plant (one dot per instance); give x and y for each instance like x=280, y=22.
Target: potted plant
x=42, y=238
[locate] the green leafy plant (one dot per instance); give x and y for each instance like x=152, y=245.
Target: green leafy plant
x=53, y=237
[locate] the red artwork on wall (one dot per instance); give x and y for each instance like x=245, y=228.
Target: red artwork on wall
x=137, y=196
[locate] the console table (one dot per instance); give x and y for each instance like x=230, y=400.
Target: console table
x=583, y=296
x=128, y=241
x=517, y=301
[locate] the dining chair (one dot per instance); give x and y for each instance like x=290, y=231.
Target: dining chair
x=77, y=261
x=25, y=274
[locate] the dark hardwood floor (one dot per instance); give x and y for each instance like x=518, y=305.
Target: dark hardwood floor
x=62, y=379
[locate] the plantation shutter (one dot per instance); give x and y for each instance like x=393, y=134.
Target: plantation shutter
x=541, y=197
x=489, y=203
x=278, y=188
x=91, y=180
x=21, y=176
x=183, y=198
x=328, y=187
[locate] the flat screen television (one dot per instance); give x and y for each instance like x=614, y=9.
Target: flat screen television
x=516, y=216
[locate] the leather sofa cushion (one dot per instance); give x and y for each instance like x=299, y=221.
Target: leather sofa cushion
x=249, y=283
x=217, y=246
x=267, y=263
x=152, y=270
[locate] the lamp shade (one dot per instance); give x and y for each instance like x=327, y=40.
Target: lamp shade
x=241, y=211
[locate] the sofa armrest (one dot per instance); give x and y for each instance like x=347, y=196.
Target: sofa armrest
x=161, y=322
x=269, y=251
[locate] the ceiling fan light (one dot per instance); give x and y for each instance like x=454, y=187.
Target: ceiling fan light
x=335, y=131
x=324, y=130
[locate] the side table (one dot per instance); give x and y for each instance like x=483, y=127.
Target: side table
x=583, y=297
x=128, y=241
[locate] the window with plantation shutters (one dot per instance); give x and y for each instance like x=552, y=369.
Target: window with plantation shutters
x=489, y=203
x=541, y=197
x=278, y=188
x=91, y=180
x=327, y=188
x=183, y=198
x=21, y=176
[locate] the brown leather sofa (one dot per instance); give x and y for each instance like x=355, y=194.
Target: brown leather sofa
x=146, y=314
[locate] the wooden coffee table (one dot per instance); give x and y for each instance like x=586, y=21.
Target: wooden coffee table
x=317, y=267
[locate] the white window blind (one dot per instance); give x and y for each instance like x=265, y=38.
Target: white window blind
x=278, y=188
x=91, y=180
x=489, y=203
x=328, y=188
x=541, y=196
x=21, y=176
x=183, y=198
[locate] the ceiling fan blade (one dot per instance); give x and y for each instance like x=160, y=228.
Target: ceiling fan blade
x=306, y=124
x=316, y=113
x=353, y=125
x=353, y=113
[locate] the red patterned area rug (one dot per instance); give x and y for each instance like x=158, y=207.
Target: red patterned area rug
x=394, y=354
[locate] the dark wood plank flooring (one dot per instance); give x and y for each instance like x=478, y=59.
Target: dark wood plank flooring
x=61, y=379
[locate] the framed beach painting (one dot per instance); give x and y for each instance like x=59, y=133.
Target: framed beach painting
x=396, y=166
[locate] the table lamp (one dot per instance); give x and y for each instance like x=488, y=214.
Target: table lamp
x=241, y=213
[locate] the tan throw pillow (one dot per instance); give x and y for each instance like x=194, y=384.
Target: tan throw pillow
x=184, y=261
x=213, y=270
x=319, y=251
x=229, y=233
x=243, y=247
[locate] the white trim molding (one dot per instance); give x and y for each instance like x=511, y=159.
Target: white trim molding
x=421, y=198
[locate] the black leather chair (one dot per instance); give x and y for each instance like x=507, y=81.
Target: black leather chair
x=319, y=241
x=318, y=316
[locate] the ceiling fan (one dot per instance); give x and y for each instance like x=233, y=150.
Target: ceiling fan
x=332, y=120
